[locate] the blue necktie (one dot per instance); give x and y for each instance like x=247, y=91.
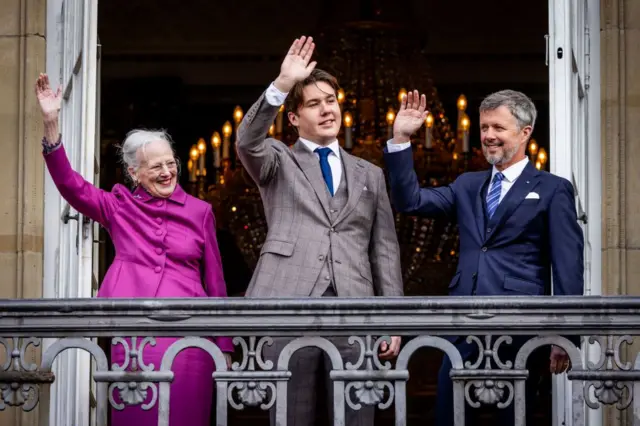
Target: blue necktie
x=493, y=197
x=326, y=169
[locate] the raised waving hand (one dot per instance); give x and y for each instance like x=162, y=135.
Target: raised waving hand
x=297, y=65
x=413, y=112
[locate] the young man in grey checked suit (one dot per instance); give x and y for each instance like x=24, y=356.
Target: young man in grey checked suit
x=331, y=229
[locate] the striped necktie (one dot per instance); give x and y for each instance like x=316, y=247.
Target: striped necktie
x=493, y=197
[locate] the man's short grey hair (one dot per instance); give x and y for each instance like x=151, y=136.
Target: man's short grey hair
x=138, y=139
x=519, y=104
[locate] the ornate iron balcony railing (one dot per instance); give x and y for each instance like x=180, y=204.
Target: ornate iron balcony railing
x=607, y=322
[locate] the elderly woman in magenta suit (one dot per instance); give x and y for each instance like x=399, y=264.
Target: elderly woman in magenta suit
x=165, y=247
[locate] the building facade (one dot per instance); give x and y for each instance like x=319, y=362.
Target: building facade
x=30, y=211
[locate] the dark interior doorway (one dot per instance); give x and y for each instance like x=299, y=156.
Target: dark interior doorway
x=185, y=65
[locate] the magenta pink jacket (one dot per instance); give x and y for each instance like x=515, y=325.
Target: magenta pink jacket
x=164, y=247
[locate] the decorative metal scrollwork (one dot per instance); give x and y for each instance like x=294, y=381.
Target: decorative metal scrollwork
x=486, y=389
x=18, y=388
x=133, y=392
x=251, y=391
x=369, y=392
x=489, y=392
x=609, y=391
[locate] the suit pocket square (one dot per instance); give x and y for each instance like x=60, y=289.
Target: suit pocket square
x=532, y=196
x=365, y=188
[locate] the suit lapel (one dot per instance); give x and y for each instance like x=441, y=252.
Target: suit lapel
x=479, y=205
x=516, y=195
x=355, y=176
x=310, y=166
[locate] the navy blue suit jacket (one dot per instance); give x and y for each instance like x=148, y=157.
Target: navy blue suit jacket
x=515, y=251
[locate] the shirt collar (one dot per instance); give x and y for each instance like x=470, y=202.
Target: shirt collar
x=512, y=172
x=178, y=196
x=312, y=146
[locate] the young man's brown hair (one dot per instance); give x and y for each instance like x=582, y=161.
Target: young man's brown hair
x=294, y=99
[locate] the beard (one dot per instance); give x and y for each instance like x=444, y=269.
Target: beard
x=503, y=157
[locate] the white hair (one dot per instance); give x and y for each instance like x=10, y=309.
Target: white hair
x=137, y=140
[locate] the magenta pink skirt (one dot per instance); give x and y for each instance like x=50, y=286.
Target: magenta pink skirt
x=191, y=389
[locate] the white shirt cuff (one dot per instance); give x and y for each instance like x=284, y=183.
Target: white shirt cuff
x=274, y=96
x=395, y=147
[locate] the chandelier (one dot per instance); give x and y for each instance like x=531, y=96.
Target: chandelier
x=375, y=63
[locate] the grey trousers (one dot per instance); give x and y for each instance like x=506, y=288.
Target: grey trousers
x=303, y=386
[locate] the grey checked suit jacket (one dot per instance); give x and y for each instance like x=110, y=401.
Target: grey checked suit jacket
x=361, y=241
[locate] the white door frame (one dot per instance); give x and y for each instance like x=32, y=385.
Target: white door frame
x=566, y=160
x=51, y=196
x=594, y=165
x=69, y=397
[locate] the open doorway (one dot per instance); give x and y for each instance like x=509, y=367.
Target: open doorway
x=185, y=67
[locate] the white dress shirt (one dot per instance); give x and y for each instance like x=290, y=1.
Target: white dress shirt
x=511, y=173
x=276, y=98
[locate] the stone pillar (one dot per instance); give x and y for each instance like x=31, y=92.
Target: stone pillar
x=620, y=61
x=22, y=57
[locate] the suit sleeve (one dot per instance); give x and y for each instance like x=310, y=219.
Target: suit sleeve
x=406, y=194
x=259, y=155
x=384, y=252
x=212, y=271
x=95, y=203
x=566, y=243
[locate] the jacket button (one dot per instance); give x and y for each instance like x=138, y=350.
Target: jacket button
x=159, y=232
x=160, y=203
x=157, y=269
x=327, y=278
x=321, y=257
x=488, y=230
x=158, y=250
x=484, y=249
x=159, y=220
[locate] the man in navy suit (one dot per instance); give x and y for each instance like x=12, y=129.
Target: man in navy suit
x=517, y=225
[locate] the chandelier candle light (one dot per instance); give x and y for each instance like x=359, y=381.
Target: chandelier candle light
x=237, y=117
x=202, y=149
x=348, y=122
x=391, y=116
x=215, y=144
x=193, y=154
x=226, y=139
x=428, y=143
x=462, y=106
x=465, y=125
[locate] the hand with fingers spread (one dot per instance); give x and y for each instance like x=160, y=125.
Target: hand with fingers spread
x=49, y=100
x=413, y=112
x=50, y=103
x=296, y=66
